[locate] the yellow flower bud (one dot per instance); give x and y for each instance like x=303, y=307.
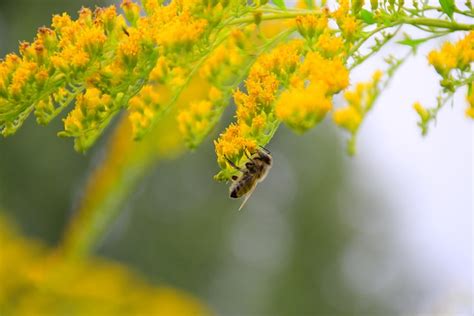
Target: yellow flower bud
x=131, y=10
x=422, y=111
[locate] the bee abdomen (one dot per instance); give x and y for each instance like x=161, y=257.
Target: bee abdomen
x=240, y=189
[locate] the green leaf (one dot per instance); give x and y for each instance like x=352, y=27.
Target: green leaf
x=448, y=7
x=280, y=4
x=413, y=42
x=367, y=16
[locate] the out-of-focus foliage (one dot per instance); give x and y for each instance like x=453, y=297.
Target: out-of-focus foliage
x=36, y=280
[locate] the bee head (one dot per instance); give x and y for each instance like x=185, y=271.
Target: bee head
x=265, y=157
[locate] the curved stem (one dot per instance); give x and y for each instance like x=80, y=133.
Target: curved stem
x=452, y=25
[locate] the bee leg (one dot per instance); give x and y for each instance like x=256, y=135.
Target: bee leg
x=247, y=155
x=233, y=165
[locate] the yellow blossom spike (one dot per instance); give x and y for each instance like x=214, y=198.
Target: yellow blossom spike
x=360, y=101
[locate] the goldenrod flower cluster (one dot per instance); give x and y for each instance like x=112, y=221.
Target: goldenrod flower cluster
x=347, y=22
x=224, y=66
x=309, y=96
x=141, y=60
x=103, y=60
x=453, y=55
x=256, y=119
x=455, y=62
x=39, y=281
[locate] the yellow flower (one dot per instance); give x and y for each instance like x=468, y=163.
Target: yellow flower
x=178, y=27
x=465, y=49
x=360, y=100
x=131, y=10
x=214, y=94
x=453, y=55
x=331, y=72
x=21, y=77
x=348, y=118
x=195, y=122
x=143, y=108
x=311, y=25
x=302, y=108
x=160, y=71
x=443, y=60
x=92, y=108
x=349, y=26
x=231, y=144
x=220, y=65
x=329, y=45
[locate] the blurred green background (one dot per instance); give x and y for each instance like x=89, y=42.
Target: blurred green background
x=282, y=255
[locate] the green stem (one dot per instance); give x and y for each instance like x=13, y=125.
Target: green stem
x=436, y=23
x=402, y=20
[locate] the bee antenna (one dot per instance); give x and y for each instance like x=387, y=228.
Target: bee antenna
x=266, y=150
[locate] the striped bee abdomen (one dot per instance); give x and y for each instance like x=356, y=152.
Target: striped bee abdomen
x=242, y=186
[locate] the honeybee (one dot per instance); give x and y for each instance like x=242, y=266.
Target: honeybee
x=255, y=171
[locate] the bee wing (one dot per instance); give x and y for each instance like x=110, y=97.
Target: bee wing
x=247, y=197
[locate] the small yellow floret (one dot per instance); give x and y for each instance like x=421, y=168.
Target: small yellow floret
x=331, y=72
x=302, y=108
x=329, y=45
x=348, y=118
x=422, y=111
